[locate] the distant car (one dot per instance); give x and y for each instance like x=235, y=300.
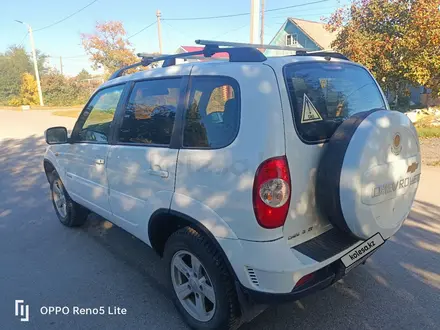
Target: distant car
x=256, y=179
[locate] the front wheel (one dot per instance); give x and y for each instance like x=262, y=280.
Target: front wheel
x=69, y=213
x=203, y=289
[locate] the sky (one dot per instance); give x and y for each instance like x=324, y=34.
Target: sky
x=63, y=39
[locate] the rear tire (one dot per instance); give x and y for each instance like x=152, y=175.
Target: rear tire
x=204, y=271
x=70, y=213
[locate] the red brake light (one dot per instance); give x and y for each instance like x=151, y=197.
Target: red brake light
x=305, y=279
x=271, y=192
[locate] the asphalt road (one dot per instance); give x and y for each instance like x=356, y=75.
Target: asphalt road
x=46, y=264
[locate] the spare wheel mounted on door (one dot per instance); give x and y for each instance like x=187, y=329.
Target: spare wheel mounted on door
x=369, y=173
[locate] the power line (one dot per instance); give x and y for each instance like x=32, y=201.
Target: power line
x=309, y=15
x=227, y=32
x=141, y=30
x=294, y=6
x=22, y=40
x=305, y=10
x=68, y=57
x=240, y=14
x=67, y=17
x=206, y=17
x=176, y=30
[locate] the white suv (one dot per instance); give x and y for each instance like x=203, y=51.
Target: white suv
x=256, y=179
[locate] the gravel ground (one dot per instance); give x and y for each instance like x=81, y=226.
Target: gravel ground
x=430, y=151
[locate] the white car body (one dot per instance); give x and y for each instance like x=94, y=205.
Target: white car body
x=129, y=184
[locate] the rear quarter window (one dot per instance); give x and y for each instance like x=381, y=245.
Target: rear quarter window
x=322, y=95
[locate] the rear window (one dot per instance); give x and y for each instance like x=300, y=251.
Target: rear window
x=323, y=95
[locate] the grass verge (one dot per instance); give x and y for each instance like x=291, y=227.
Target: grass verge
x=67, y=113
x=428, y=132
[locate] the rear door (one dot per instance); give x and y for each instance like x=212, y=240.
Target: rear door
x=317, y=97
x=142, y=165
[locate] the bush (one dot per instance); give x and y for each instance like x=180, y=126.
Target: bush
x=61, y=91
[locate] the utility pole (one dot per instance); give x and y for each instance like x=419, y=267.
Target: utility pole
x=262, y=23
x=34, y=57
x=255, y=11
x=159, y=30
x=61, y=65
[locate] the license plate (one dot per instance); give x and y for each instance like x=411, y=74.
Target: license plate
x=362, y=250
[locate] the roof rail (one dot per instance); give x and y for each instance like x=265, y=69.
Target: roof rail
x=259, y=46
x=325, y=53
x=238, y=52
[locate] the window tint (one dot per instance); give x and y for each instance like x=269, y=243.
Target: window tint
x=100, y=112
x=323, y=95
x=213, y=116
x=150, y=112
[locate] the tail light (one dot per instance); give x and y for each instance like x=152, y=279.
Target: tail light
x=305, y=279
x=271, y=192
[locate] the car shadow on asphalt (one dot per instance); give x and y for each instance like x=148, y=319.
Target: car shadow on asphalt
x=395, y=289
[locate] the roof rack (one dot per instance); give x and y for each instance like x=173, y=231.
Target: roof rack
x=259, y=46
x=298, y=50
x=325, y=53
x=238, y=52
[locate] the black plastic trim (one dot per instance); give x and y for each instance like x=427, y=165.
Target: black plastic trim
x=323, y=278
x=197, y=225
x=326, y=245
x=328, y=175
x=179, y=121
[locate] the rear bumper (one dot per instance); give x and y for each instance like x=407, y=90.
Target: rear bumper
x=323, y=278
x=269, y=271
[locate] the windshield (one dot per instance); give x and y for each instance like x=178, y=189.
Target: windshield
x=323, y=95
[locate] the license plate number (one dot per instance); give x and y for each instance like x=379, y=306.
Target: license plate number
x=362, y=250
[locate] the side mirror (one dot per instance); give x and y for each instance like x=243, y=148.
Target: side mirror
x=56, y=135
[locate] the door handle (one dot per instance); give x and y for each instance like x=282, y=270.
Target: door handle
x=99, y=161
x=161, y=173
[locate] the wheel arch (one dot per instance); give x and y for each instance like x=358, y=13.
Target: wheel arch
x=48, y=169
x=164, y=222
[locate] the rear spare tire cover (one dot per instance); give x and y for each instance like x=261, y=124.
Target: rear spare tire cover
x=369, y=173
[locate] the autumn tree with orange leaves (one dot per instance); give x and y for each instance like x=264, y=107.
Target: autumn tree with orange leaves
x=109, y=47
x=397, y=40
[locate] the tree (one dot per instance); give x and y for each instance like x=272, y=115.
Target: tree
x=13, y=64
x=28, y=91
x=397, y=40
x=109, y=47
x=83, y=75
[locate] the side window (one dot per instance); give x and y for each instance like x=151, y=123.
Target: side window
x=151, y=109
x=100, y=112
x=213, y=117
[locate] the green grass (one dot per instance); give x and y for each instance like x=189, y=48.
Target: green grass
x=96, y=117
x=67, y=113
x=425, y=129
x=428, y=132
